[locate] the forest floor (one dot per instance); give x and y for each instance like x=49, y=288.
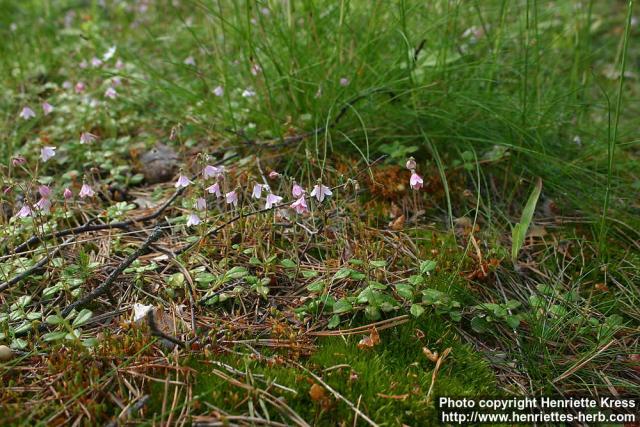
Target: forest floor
x=210, y=214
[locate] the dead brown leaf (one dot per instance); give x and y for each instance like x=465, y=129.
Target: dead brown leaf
x=398, y=223
x=371, y=340
x=432, y=356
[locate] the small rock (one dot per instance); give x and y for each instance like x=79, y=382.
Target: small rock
x=159, y=164
x=6, y=353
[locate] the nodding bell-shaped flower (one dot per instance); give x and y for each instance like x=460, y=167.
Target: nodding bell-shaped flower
x=272, y=199
x=18, y=160
x=24, y=212
x=212, y=172
x=86, y=191
x=273, y=175
x=231, y=198
x=47, y=152
x=320, y=192
x=27, y=113
x=411, y=164
x=182, y=181
x=201, y=204
x=110, y=93
x=67, y=194
x=87, y=138
x=415, y=181
x=47, y=108
x=297, y=191
x=44, y=191
x=300, y=205
x=218, y=91
x=96, y=62
x=214, y=189
x=257, y=191
x=43, y=204
x=80, y=87
x=193, y=219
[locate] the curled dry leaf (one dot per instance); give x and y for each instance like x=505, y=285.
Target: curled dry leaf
x=398, y=223
x=371, y=340
x=432, y=356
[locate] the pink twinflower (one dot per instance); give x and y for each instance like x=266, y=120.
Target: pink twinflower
x=297, y=191
x=18, y=160
x=232, y=198
x=44, y=205
x=182, y=181
x=193, y=219
x=415, y=181
x=47, y=108
x=215, y=189
x=44, y=191
x=300, y=205
x=110, y=93
x=27, y=113
x=24, y=212
x=320, y=192
x=86, y=191
x=272, y=199
x=411, y=164
x=47, y=152
x=212, y=171
x=201, y=204
x=257, y=191
x=87, y=138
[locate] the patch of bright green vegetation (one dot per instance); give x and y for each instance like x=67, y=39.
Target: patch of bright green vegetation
x=391, y=380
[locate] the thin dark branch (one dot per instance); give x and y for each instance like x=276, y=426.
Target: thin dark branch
x=115, y=273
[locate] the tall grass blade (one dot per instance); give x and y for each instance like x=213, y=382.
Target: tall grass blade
x=519, y=231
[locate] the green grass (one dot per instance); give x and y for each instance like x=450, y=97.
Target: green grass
x=488, y=96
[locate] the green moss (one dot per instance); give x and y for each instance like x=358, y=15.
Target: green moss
x=391, y=381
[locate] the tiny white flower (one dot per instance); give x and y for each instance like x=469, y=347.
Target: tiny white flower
x=140, y=311
x=109, y=53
